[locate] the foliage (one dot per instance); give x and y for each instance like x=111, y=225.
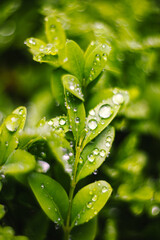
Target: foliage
x=92, y=104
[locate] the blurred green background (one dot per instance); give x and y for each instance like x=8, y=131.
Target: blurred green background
x=133, y=30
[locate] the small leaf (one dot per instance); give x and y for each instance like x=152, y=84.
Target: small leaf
x=35, y=44
x=72, y=84
x=2, y=211
x=89, y=201
x=76, y=114
x=51, y=59
x=101, y=116
x=51, y=197
x=57, y=87
x=63, y=152
x=87, y=231
x=10, y=129
x=95, y=61
x=74, y=59
x=19, y=161
x=54, y=32
x=95, y=153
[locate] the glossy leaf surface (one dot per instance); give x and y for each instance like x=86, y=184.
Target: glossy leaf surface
x=51, y=196
x=95, y=153
x=19, y=161
x=89, y=201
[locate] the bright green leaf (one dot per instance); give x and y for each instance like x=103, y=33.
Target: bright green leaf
x=63, y=152
x=101, y=116
x=95, y=61
x=51, y=197
x=74, y=59
x=72, y=84
x=89, y=201
x=95, y=153
x=19, y=161
x=87, y=231
x=76, y=114
x=2, y=211
x=54, y=32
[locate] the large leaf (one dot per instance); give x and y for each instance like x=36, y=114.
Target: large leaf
x=73, y=85
x=89, y=201
x=10, y=129
x=86, y=231
x=74, y=59
x=76, y=114
x=95, y=61
x=63, y=152
x=101, y=116
x=51, y=196
x=19, y=161
x=95, y=153
x=54, y=32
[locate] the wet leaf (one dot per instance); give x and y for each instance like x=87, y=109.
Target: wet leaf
x=76, y=114
x=95, y=153
x=89, y=201
x=72, y=84
x=95, y=61
x=10, y=129
x=101, y=116
x=62, y=151
x=51, y=197
x=55, y=32
x=87, y=231
x=74, y=59
x=19, y=161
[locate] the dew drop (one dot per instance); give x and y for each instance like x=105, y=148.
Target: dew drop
x=97, y=58
x=77, y=120
x=102, y=153
x=21, y=111
x=52, y=27
x=81, y=160
x=50, y=122
x=44, y=166
x=96, y=151
x=71, y=87
x=95, y=212
x=104, y=56
x=75, y=109
x=71, y=144
x=90, y=193
x=65, y=157
x=62, y=121
x=108, y=144
x=12, y=123
x=6, y=143
x=92, y=72
x=118, y=99
x=92, y=124
x=103, y=46
x=92, y=112
x=109, y=139
x=32, y=41
x=104, y=189
x=155, y=210
x=89, y=204
x=95, y=172
x=42, y=186
x=105, y=111
x=95, y=197
x=91, y=158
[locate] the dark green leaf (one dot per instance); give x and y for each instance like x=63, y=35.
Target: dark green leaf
x=51, y=197
x=89, y=201
x=76, y=114
x=18, y=162
x=74, y=59
x=95, y=61
x=86, y=231
x=54, y=32
x=95, y=153
x=72, y=84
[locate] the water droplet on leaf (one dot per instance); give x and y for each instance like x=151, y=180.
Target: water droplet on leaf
x=12, y=123
x=105, y=111
x=102, y=153
x=92, y=124
x=118, y=99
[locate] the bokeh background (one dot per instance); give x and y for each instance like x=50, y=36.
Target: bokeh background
x=133, y=30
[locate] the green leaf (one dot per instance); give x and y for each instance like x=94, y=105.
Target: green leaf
x=89, y=201
x=10, y=130
x=54, y=32
x=95, y=61
x=72, y=84
x=74, y=59
x=86, y=231
x=63, y=152
x=95, y=153
x=101, y=116
x=35, y=44
x=76, y=114
x=18, y=162
x=51, y=197
x=57, y=87
x=20, y=238
x=2, y=211
x=51, y=59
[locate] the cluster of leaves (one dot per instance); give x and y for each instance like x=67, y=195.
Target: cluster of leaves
x=131, y=28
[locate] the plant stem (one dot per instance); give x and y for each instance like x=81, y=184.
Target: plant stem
x=67, y=228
